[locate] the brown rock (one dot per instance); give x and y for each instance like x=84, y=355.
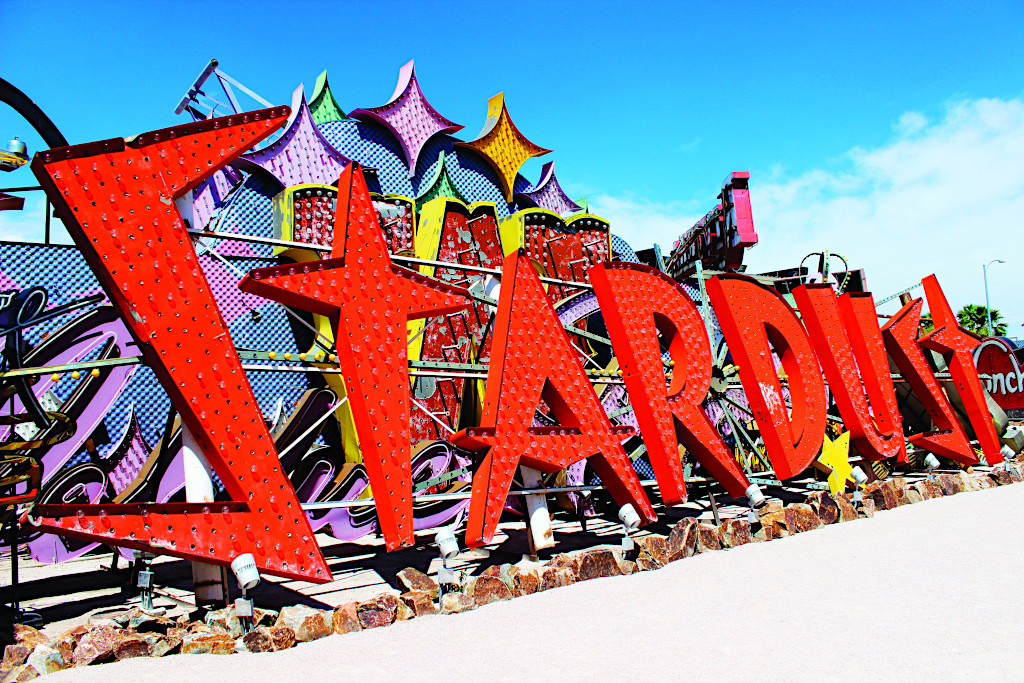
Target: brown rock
x=526, y=581
x=900, y=488
x=26, y=635
x=226, y=621
x=774, y=525
x=708, y=538
x=487, y=589
x=132, y=646
x=646, y=563
x=283, y=637
x=208, y=644
x=627, y=567
x=269, y=639
x=174, y=638
x=654, y=548
x=983, y=481
x=1016, y=471
x=15, y=655
x=770, y=508
x=801, y=517
x=734, y=532
x=881, y=493
x=419, y=602
x=925, y=489
x=404, y=612
x=160, y=645
x=867, y=508
x=555, y=577
x=508, y=574
x=596, y=563
x=914, y=496
x=74, y=634
x=258, y=640
x=97, y=645
x=381, y=611
x=346, y=618
x=824, y=506
x=143, y=622
x=968, y=481
x=847, y=513
x=414, y=580
x=682, y=541
x=570, y=561
x=948, y=483
x=18, y=674
x=455, y=602
x=1001, y=475
x=308, y=623
x=47, y=660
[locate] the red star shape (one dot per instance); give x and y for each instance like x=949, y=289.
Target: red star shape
x=370, y=302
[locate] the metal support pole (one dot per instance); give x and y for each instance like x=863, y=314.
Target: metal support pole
x=206, y=578
x=988, y=309
x=714, y=506
x=12, y=537
x=538, y=520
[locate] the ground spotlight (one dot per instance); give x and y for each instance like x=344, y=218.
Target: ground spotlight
x=448, y=546
x=248, y=576
x=630, y=522
x=860, y=478
x=756, y=499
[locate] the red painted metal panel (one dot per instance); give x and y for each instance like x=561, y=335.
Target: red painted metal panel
x=900, y=335
x=957, y=346
x=846, y=337
x=532, y=359
x=370, y=301
x=754, y=320
x=637, y=303
x=116, y=198
x=470, y=239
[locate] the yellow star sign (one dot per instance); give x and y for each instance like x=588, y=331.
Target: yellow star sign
x=502, y=145
x=835, y=455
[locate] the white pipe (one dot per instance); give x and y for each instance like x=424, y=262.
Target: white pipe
x=206, y=578
x=539, y=525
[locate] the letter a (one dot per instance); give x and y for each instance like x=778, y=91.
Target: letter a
x=531, y=359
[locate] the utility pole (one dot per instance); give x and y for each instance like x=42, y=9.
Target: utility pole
x=988, y=309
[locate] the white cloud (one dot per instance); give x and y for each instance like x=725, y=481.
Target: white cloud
x=941, y=197
x=642, y=222
x=28, y=225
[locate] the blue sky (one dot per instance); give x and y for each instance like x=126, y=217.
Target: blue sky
x=891, y=132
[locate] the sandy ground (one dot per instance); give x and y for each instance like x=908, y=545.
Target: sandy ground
x=929, y=590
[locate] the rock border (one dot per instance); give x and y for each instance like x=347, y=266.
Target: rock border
x=135, y=633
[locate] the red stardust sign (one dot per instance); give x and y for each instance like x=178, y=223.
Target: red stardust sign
x=117, y=199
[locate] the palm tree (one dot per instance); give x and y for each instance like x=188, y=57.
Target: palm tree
x=926, y=323
x=974, y=318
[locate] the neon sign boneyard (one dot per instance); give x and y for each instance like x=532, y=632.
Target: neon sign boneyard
x=117, y=199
